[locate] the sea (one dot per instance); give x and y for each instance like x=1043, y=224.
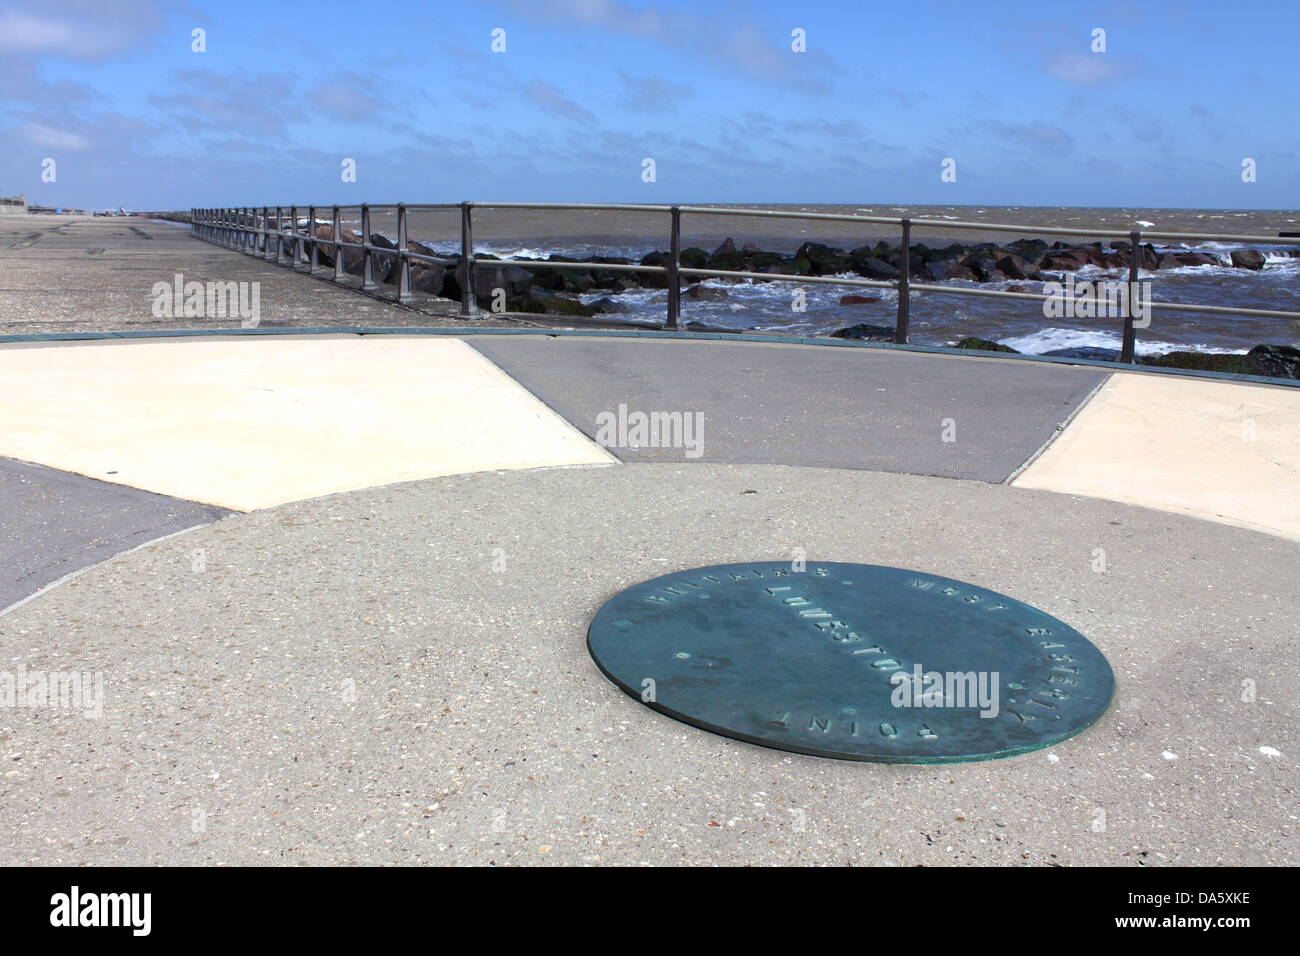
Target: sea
x=936, y=318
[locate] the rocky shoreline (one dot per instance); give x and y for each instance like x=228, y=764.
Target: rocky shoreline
x=529, y=290
x=1274, y=361
x=555, y=291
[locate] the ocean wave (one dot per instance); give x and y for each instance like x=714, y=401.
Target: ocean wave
x=1050, y=339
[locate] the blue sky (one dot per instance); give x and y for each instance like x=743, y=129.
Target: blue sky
x=588, y=89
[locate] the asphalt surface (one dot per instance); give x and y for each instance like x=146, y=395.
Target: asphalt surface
x=806, y=405
x=53, y=523
x=399, y=675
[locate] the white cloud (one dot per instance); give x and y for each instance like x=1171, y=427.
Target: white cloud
x=1087, y=69
x=48, y=137
x=77, y=29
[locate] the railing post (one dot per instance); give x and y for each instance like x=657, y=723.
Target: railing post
x=301, y=257
x=468, y=305
x=245, y=234
x=674, y=264
x=368, y=267
x=1127, y=349
x=904, y=285
x=311, y=231
x=404, y=294
x=338, y=248
x=266, y=234
x=295, y=257
x=280, y=255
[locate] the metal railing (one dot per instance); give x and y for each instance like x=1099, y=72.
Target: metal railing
x=248, y=230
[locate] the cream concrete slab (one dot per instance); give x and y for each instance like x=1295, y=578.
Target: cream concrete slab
x=253, y=422
x=1225, y=451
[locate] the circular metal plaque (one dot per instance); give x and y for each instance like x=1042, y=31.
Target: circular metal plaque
x=852, y=661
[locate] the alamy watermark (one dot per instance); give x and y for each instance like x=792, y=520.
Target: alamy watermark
x=1104, y=299
x=923, y=688
x=624, y=429
x=211, y=300
x=65, y=690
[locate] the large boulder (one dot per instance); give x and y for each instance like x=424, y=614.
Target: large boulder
x=385, y=267
x=866, y=332
x=324, y=234
x=983, y=265
x=561, y=305
x=947, y=266
x=693, y=257
x=760, y=261
x=1278, y=361
x=490, y=276
x=552, y=279
x=823, y=259
x=1148, y=258
x=984, y=345
x=878, y=269
x=1202, y=361
x=1248, y=259
x=705, y=292
x=352, y=258
x=1014, y=267
x=1063, y=260
x=429, y=278
x=1031, y=250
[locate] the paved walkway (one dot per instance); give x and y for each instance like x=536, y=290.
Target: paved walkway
x=253, y=422
x=1217, y=450
x=53, y=524
x=396, y=672
x=808, y=405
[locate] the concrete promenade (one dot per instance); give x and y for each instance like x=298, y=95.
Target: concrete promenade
x=369, y=646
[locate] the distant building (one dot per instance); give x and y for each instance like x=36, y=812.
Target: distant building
x=13, y=207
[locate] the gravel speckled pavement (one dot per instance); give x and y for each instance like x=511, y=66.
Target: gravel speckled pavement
x=351, y=681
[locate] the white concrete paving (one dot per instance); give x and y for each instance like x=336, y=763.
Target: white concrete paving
x=254, y=422
x=1224, y=451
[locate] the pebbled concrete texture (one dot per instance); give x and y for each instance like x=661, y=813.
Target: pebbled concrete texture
x=53, y=523
x=399, y=675
x=1218, y=450
x=249, y=423
x=808, y=405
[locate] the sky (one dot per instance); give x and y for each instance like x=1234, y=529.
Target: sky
x=1013, y=100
